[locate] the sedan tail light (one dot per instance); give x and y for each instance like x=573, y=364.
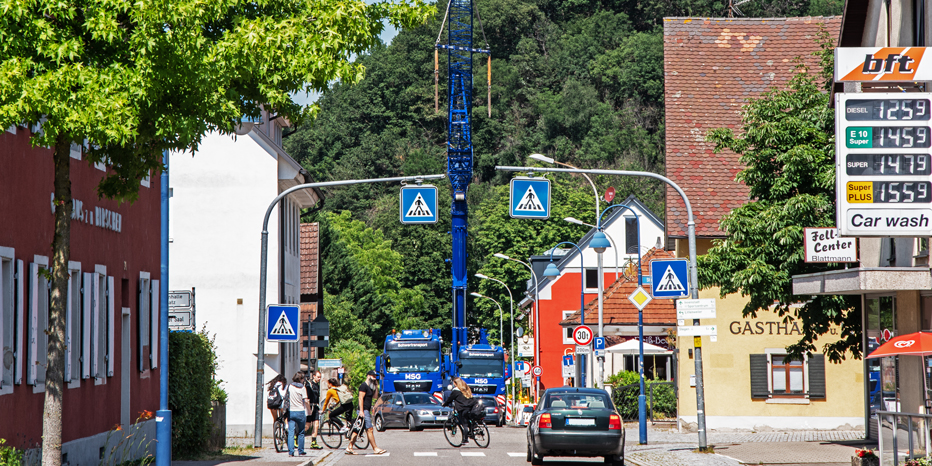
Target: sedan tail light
x=544, y=421
x=614, y=422
x=495, y=411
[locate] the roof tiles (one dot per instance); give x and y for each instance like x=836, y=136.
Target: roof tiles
x=310, y=257
x=712, y=66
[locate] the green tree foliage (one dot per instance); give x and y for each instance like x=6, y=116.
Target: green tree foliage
x=191, y=370
x=788, y=146
x=129, y=80
x=358, y=360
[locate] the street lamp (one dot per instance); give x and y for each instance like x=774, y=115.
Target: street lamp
x=536, y=314
x=614, y=245
x=550, y=160
x=552, y=271
x=599, y=244
x=511, y=299
x=501, y=314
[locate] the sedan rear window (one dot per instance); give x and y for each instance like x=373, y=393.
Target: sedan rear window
x=577, y=401
x=420, y=399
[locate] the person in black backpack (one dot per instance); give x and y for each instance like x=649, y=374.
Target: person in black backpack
x=463, y=401
x=276, y=395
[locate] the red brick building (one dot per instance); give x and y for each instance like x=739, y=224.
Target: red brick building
x=112, y=332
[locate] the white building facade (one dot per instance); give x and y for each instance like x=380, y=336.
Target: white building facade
x=219, y=197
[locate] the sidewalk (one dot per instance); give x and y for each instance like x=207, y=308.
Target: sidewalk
x=266, y=456
x=801, y=448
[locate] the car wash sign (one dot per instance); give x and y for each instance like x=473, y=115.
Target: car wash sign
x=883, y=162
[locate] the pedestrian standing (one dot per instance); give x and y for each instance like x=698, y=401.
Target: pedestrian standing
x=367, y=390
x=313, y=399
x=298, y=408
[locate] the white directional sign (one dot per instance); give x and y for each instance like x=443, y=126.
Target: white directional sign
x=883, y=164
x=697, y=330
x=179, y=298
x=530, y=198
x=583, y=350
x=669, y=278
x=418, y=204
x=282, y=322
x=582, y=335
x=695, y=308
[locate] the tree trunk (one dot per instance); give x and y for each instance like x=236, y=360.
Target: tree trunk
x=61, y=252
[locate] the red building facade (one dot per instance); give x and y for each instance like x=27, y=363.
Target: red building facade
x=111, y=374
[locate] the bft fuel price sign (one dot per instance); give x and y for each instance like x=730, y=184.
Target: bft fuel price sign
x=883, y=166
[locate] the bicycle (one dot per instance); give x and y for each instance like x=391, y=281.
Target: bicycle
x=330, y=433
x=478, y=431
x=280, y=433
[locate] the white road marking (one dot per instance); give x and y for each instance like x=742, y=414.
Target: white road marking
x=425, y=453
x=472, y=453
x=515, y=455
x=370, y=455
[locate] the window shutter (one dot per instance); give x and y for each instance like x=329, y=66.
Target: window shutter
x=154, y=326
x=20, y=319
x=817, y=376
x=68, y=324
x=95, y=326
x=759, y=386
x=101, y=334
x=42, y=334
x=75, y=300
x=6, y=310
x=33, y=323
x=88, y=291
x=110, y=323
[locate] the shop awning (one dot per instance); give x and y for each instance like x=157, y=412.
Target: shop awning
x=863, y=280
x=631, y=347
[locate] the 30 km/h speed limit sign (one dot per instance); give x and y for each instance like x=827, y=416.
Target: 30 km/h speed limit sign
x=582, y=335
x=537, y=371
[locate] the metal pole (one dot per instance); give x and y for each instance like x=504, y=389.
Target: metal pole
x=163, y=417
x=693, y=275
x=601, y=281
x=263, y=278
x=582, y=310
x=537, y=314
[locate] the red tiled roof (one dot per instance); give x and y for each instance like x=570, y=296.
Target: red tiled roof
x=308, y=313
x=618, y=310
x=711, y=68
x=310, y=257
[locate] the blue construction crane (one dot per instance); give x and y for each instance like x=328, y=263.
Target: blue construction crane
x=459, y=49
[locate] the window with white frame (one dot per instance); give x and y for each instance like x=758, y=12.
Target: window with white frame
x=776, y=377
x=568, y=331
x=143, y=321
x=101, y=326
x=145, y=180
x=7, y=320
x=592, y=280
x=37, y=337
x=73, y=326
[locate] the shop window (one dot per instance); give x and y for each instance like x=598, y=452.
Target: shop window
x=143, y=321
x=37, y=337
x=7, y=320
x=73, y=311
x=568, y=331
x=775, y=377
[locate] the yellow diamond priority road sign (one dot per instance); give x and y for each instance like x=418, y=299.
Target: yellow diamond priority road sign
x=640, y=298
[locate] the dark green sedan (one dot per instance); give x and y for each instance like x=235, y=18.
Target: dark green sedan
x=576, y=422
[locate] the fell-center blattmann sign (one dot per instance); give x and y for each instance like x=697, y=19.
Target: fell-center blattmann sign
x=883, y=164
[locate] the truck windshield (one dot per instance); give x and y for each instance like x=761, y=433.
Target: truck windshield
x=494, y=368
x=414, y=361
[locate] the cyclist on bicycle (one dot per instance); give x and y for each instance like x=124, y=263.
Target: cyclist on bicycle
x=341, y=398
x=462, y=400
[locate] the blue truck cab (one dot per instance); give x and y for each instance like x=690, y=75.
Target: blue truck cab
x=483, y=368
x=412, y=362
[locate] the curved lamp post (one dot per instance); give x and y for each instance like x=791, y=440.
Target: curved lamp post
x=610, y=239
x=536, y=317
x=550, y=160
x=553, y=271
x=500, y=313
x=599, y=244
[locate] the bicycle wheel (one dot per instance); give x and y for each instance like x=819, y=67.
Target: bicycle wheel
x=330, y=435
x=362, y=441
x=451, y=432
x=480, y=434
x=280, y=435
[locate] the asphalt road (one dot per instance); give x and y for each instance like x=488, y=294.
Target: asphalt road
x=429, y=447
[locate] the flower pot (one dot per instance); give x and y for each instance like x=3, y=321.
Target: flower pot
x=871, y=461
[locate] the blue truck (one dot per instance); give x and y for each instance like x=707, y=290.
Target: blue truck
x=483, y=368
x=412, y=361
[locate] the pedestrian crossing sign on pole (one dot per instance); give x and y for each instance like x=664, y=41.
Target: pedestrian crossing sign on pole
x=530, y=198
x=282, y=322
x=418, y=204
x=669, y=278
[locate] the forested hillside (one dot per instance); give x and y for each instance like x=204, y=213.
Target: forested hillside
x=580, y=81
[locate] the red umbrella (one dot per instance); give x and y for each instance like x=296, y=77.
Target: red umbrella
x=913, y=344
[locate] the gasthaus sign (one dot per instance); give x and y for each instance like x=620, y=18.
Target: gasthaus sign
x=883, y=164
x=827, y=245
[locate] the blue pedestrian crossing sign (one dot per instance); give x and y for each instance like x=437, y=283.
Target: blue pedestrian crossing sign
x=418, y=204
x=669, y=278
x=282, y=322
x=530, y=198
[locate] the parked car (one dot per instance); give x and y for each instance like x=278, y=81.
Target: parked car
x=576, y=422
x=494, y=412
x=414, y=410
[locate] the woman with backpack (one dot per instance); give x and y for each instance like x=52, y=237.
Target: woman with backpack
x=276, y=397
x=341, y=398
x=462, y=400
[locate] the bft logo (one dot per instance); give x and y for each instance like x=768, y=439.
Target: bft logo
x=885, y=65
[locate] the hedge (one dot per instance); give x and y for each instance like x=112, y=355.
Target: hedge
x=191, y=367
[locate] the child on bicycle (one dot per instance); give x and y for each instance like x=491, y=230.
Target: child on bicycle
x=340, y=399
x=462, y=400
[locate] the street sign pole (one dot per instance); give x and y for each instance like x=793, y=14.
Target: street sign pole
x=263, y=280
x=693, y=271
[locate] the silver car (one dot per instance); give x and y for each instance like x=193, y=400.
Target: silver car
x=414, y=410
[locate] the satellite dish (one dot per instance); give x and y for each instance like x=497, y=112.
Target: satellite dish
x=609, y=194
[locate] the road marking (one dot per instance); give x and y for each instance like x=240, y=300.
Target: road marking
x=515, y=455
x=425, y=453
x=472, y=453
x=371, y=455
